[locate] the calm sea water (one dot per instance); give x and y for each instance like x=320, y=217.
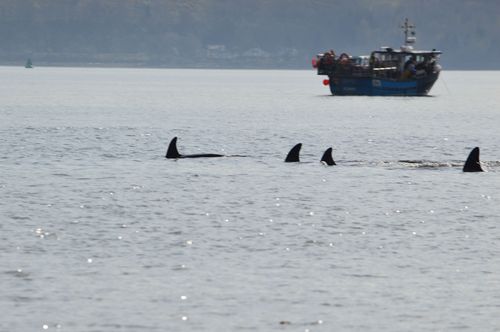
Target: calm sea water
x=99, y=232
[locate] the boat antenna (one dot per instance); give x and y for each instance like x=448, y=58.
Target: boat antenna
x=409, y=30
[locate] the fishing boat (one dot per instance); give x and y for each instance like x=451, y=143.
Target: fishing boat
x=385, y=72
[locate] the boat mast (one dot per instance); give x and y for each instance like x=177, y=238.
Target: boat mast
x=409, y=31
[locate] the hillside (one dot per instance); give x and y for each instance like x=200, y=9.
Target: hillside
x=240, y=33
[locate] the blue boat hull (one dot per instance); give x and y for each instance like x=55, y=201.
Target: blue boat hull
x=369, y=86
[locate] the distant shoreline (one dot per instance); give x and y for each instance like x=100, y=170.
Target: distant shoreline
x=207, y=67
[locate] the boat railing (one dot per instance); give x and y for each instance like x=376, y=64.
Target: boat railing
x=387, y=69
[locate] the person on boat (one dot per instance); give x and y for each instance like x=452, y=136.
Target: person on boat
x=431, y=62
x=374, y=61
x=409, y=68
x=344, y=58
x=328, y=58
x=410, y=63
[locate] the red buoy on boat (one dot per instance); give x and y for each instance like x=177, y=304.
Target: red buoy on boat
x=326, y=82
x=314, y=63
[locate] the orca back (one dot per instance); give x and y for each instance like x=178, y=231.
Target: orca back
x=202, y=155
x=327, y=157
x=172, y=152
x=472, y=163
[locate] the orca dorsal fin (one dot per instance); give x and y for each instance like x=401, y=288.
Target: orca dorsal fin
x=293, y=155
x=172, y=152
x=327, y=157
x=472, y=163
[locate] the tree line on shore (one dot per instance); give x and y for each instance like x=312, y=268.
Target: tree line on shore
x=240, y=33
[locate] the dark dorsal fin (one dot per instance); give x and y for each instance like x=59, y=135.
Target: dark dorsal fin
x=172, y=152
x=327, y=157
x=472, y=163
x=293, y=155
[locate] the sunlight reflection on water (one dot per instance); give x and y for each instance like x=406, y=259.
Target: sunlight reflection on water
x=100, y=232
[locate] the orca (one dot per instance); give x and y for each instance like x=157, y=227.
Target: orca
x=293, y=155
x=327, y=158
x=173, y=153
x=472, y=164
